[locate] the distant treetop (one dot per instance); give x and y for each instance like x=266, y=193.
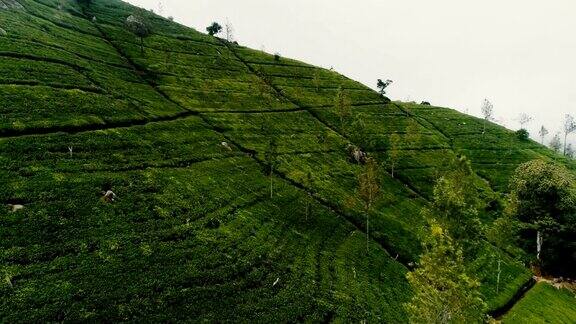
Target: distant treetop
x=382, y=85
x=214, y=28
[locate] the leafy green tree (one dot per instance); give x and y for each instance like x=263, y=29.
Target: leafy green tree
x=443, y=291
x=543, y=199
x=504, y=231
x=382, y=85
x=214, y=29
x=369, y=190
x=137, y=24
x=522, y=134
x=359, y=133
x=343, y=106
x=456, y=200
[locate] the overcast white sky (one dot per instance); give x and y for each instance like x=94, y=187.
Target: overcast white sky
x=520, y=54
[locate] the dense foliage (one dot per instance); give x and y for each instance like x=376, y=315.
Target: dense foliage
x=444, y=292
x=543, y=197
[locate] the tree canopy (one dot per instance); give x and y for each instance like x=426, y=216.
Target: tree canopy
x=443, y=291
x=543, y=200
x=137, y=24
x=457, y=201
x=214, y=28
x=382, y=85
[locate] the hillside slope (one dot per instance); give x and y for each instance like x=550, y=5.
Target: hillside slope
x=200, y=230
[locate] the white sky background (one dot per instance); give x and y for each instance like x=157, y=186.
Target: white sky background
x=520, y=54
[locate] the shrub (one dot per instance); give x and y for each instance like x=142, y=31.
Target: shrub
x=522, y=134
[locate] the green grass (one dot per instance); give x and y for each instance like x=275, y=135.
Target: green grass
x=194, y=234
x=544, y=304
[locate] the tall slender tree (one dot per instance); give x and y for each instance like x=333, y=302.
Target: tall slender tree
x=271, y=162
x=543, y=132
x=487, y=113
x=316, y=80
x=229, y=32
x=570, y=151
x=137, y=24
x=556, y=143
x=394, y=152
x=569, y=128
x=343, y=106
x=369, y=189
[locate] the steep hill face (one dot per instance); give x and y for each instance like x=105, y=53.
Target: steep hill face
x=181, y=131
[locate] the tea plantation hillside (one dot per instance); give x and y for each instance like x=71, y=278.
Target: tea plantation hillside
x=183, y=129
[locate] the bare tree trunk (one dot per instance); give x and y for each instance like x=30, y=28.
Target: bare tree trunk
x=271, y=188
x=539, y=240
x=498, y=277
x=367, y=230
x=307, y=207
x=565, y=142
